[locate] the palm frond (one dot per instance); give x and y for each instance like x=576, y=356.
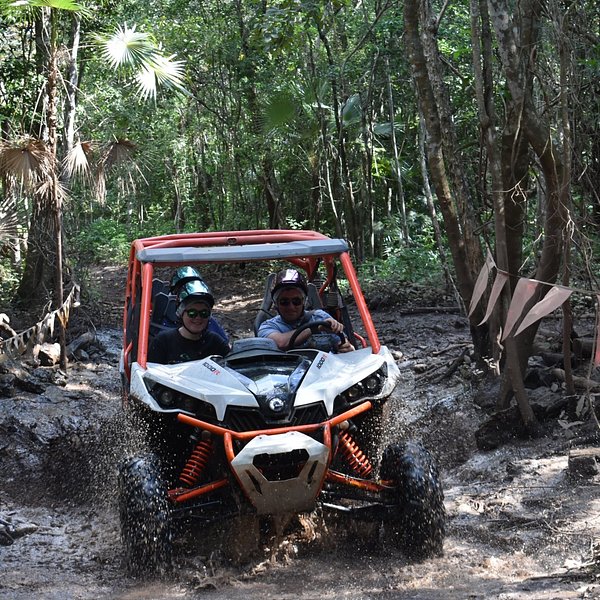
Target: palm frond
x=28, y=160
x=168, y=71
x=9, y=221
x=116, y=154
x=280, y=110
x=68, y=5
x=352, y=111
x=126, y=46
x=49, y=194
x=146, y=83
x=139, y=52
x=159, y=70
x=119, y=152
x=77, y=162
x=100, y=187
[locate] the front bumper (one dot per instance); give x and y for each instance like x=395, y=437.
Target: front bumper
x=296, y=465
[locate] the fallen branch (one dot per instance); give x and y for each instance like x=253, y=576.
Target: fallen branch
x=83, y=340
x=452, y=347
x=450, y=370
x=580, y=382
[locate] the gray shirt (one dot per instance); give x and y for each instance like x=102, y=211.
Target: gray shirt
x=278, y=325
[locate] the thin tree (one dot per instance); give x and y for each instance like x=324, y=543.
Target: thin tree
x=40, y=164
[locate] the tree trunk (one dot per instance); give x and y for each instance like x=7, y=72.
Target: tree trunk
x=482, y=62
x=513, y=37
x=397, y=169
x=55, y=190
x=267, y=175
x=565, y=86
x=431, y=207
x=39, y=276
x=324, y=173
x=351, y=219
x=367, y=230
x=71, y=84
x=465, y=249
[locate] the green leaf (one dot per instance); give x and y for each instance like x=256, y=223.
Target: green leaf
x=352, y=111
x=280, y=110
x=68, y=5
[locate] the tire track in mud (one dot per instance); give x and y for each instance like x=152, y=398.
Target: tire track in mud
x=514, y=519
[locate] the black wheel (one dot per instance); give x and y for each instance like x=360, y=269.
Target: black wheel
x=166, y=438
x=416, y=518
x=145, y=516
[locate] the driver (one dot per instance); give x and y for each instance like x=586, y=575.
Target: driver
x=193, y=339
x=289, y=297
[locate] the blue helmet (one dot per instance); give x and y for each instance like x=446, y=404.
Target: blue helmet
x=193, y=291
x=182, y=276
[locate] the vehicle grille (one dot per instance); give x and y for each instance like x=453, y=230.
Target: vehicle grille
x=312, y=413
x=251, y=419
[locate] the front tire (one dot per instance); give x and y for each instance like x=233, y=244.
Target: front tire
x=416, y=519
x=144, y=512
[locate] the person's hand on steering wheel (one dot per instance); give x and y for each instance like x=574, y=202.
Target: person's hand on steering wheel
x=328, y=326
x=337, y=327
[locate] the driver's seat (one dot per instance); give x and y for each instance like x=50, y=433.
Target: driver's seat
x=264, y=312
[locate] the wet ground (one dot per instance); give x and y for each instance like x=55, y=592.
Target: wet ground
x=519, y=527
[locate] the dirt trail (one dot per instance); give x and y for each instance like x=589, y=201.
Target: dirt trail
x=518, y=526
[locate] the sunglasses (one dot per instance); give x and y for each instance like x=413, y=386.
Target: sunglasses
x=288, y=301
x=193, y=313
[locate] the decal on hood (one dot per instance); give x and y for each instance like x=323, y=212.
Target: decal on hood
x=211, y=368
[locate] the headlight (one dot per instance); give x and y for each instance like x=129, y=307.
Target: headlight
x=370, y=387
x=166, y=398
x=355, y=392
x=372, y=384
x=276, y=404
x=170, y=399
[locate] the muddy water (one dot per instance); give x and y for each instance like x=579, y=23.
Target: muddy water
x=518, y=528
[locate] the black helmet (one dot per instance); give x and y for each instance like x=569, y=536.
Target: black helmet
x=289, y=278
x=182, y=276
x=194, y=291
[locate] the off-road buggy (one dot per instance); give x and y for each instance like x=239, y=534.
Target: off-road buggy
x=263, y=431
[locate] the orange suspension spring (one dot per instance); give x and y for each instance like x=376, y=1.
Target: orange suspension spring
x=195, y=465
x=354, y=455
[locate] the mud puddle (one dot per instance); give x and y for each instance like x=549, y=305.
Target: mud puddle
x=518, y=526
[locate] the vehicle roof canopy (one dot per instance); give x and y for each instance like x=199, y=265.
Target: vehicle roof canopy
x=188, y=254
x=302, y=248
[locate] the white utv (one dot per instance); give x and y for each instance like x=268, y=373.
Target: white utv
x=263, y=431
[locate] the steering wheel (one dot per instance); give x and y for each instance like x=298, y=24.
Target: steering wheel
x=314, y=327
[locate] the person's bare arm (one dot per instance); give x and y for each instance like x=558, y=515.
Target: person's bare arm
x=283, y=339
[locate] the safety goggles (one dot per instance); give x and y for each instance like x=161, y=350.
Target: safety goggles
x=192, y=313
x=288, y=301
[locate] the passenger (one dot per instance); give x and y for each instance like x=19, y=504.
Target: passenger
x=192, y=340
x=289, y=297
x=185, y=275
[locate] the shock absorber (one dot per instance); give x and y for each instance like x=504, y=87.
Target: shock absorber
x=356, y=458
x=197, y=461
